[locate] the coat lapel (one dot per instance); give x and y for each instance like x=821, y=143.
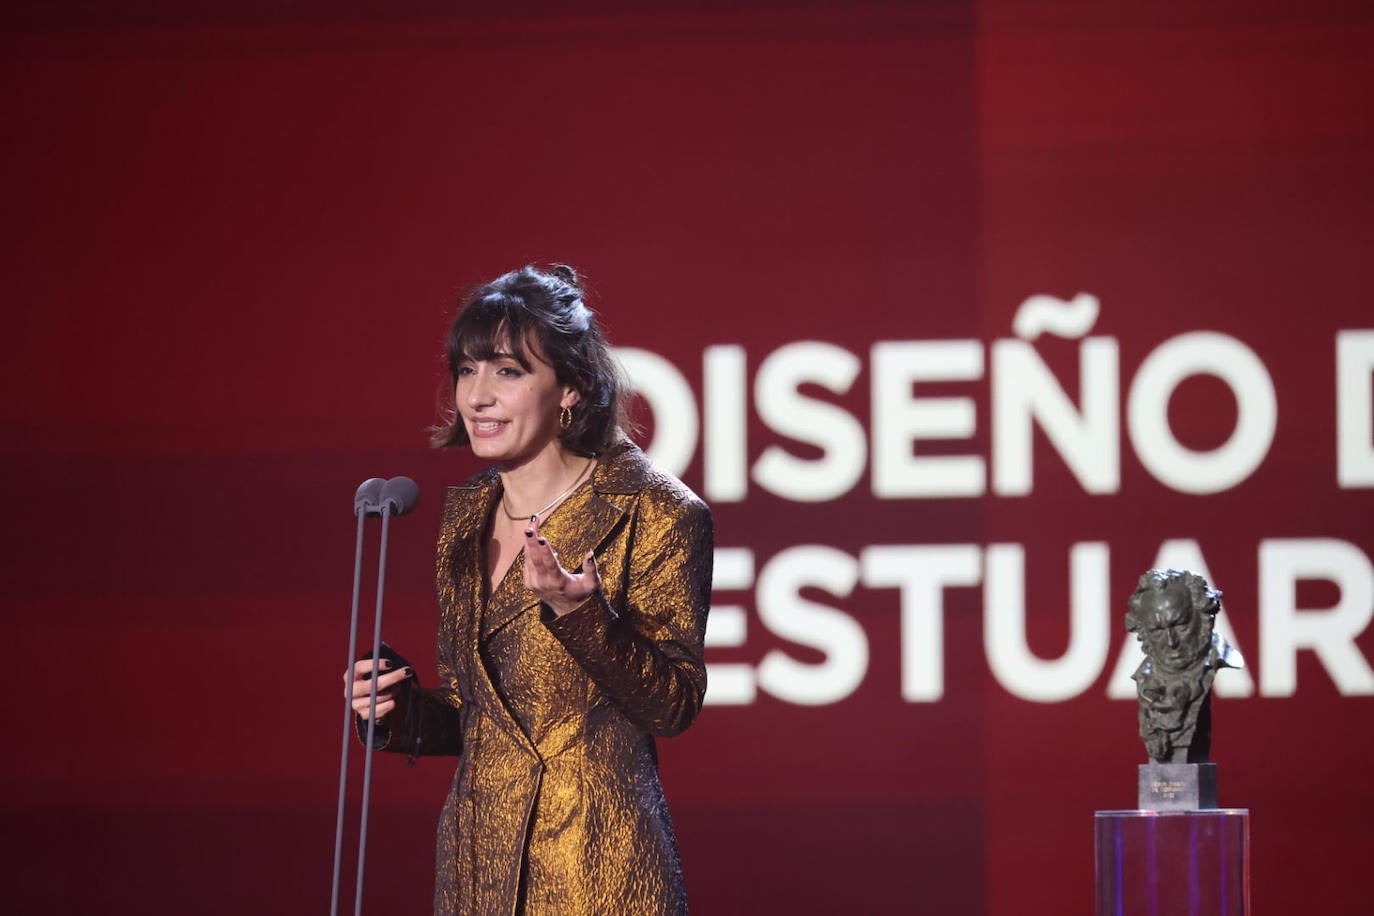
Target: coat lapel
x=466, y=571
x=460, y=562
x=508, y=600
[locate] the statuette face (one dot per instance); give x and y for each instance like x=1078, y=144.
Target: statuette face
x=1172, y=634
x=1173, y=614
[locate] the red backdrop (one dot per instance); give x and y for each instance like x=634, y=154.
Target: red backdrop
x=233, y=239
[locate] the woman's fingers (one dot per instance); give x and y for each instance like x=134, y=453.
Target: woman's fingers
x=540, y=557
x=362, y=669
x=554, y=585
x=590, y=571
x=546, y=577
x=362, y=686
x=385, y=704
x=387, y=686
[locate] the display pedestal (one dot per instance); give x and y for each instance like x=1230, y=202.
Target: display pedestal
x=1173, y=863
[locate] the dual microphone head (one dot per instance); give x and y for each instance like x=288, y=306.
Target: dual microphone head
x=376, y=495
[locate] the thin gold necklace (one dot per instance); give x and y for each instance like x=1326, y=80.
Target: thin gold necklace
x=515, y=517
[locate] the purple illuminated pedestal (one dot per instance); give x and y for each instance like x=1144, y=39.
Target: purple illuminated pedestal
x=1173, y=863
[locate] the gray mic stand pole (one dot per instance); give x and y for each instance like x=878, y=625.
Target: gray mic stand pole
x=372, y=708
x=364, y=502
x=397, y=497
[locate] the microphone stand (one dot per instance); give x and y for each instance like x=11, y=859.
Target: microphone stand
x=381, y=498
x=368, y=747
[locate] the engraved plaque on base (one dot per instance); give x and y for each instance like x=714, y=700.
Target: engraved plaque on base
x=1176, y=786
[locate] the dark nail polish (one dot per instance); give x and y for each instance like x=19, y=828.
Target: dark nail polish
x=543, y=542
x=529, y=532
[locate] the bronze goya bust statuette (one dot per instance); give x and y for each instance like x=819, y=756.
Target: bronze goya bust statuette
x=1173, y=614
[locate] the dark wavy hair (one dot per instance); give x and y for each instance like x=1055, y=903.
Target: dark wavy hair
x=539, y=309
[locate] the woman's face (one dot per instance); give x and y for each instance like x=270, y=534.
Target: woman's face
x=510, y=412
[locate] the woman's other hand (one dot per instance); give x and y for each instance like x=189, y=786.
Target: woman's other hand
x=545, y=576
x=387, y=686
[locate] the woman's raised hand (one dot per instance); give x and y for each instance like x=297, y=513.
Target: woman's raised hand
x=545, y=576
x=387, y=685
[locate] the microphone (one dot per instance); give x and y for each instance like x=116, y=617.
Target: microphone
x=368, y=498
x=400, y=495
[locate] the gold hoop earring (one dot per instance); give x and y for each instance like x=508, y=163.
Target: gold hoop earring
x=564, y=418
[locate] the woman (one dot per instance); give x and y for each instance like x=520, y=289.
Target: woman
x=555, y=681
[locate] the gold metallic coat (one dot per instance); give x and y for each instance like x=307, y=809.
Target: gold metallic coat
x=556, y=806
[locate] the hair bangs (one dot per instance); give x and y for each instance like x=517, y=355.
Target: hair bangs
x=492, y=327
